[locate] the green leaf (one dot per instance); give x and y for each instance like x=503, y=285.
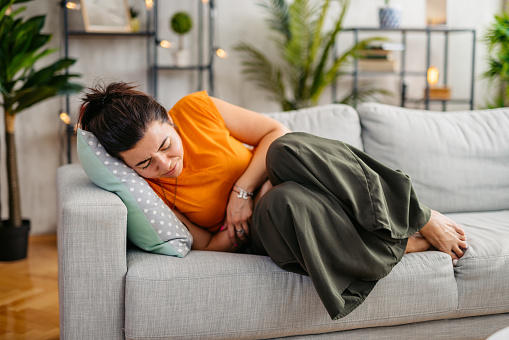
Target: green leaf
x=259, y=69
x=47, y=74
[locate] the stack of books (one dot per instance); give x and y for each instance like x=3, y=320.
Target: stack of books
x=377, y=58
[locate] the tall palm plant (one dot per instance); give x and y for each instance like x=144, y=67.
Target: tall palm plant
x=306, y=51
x=22, y=45
x=497, y=40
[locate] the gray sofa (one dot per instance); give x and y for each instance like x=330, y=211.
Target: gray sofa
x=459, y=163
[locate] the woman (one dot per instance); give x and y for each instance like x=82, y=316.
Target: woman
x=317, y=207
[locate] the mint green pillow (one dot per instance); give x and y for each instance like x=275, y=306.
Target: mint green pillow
x=151, y=225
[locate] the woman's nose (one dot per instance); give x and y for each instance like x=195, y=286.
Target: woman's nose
x=162, y=162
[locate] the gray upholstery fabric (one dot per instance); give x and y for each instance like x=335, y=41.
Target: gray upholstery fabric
x=234, y=296
x=211, y=295
x=458, y=161
x=91, y=258
x=334, y=121
x=475, y=328
x=483, y=272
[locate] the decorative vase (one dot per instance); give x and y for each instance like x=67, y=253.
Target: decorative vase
x=14, y=242
x=390, y=17
x=181, y=58
x=135, y=25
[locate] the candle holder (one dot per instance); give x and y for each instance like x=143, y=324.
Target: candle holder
x=432, y=91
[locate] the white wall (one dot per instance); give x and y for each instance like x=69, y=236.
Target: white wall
x=40, y=133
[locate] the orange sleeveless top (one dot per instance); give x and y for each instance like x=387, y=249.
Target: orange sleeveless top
x=213, y=161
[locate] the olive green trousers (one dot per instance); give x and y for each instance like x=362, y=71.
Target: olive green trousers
x=335, y=214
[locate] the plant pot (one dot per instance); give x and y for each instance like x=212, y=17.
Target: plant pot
x=390, y=17
x=181, y=58
x=14, y=242
x=135, y=25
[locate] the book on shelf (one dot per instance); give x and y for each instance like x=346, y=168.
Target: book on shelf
x=376, y=65
x=375, y=53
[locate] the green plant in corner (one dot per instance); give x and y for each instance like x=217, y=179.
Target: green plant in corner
x=497, y=40
x=306, y=51
x=22, y=45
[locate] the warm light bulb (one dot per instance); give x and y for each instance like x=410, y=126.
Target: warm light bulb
x=65, y=118
x=204, y=1
x=165, y=44
x=73, y=5
x=221, y=53
x=149, y=4
x=433, y=75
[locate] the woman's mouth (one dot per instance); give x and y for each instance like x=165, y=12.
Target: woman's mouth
x=172, y=170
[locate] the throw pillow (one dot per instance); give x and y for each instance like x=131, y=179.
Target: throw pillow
x=151, y=225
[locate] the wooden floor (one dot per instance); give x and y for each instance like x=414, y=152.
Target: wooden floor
x=29, y=293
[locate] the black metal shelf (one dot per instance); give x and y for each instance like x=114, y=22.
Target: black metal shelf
x=183, y=68
x=117, y=35
x=150, y=33
x=403, y=73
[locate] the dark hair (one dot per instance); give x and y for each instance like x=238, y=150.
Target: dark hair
x=118, y=115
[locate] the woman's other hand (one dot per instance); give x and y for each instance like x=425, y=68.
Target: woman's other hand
x=238, y=218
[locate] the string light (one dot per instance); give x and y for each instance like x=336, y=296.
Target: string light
x=73, y=5
x=149, y=4
x=221, y=53
x=165, y=44
x=433, y=75
x=65, y=118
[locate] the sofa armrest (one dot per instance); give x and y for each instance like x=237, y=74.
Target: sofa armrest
x=91, y=258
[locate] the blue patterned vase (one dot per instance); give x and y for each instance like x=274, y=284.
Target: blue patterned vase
x=390, y=17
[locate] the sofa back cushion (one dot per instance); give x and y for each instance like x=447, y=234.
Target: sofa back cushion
x=458, y=161
x=335, y=121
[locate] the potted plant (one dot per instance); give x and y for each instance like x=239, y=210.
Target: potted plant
x=135, y=21
x=390, y=17
x=181, y=24
x=22, y=45
x=308, y=66
x=497, y=73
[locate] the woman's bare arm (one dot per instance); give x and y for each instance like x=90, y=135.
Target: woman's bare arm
x=205, y=240
x=258, y=131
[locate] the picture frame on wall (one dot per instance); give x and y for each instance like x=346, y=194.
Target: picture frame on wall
x=436, y=12
x=111, y=16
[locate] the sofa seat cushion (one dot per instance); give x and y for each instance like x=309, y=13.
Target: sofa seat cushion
x=335, y=121
x=239, y=296
x=483, y=273
x=458, y=161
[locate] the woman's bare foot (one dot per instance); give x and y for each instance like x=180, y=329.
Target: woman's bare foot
x=445, y=235
x=417, y=243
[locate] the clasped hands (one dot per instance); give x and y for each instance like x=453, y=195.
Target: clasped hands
x=238, y=217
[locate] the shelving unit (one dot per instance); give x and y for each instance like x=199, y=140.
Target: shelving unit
x=153, y=40
x=404, y=73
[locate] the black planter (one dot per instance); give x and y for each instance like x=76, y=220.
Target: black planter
x=14, y=242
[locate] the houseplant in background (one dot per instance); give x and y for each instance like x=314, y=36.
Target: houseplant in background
x=181, y=24
x=497, y=40
x=135, y=21
x=308, y=66
x=390, y=17
x=22, y=45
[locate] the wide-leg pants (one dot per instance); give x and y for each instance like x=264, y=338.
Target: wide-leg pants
x=335, y=214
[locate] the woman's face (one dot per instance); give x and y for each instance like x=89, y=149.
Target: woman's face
x=158, y=154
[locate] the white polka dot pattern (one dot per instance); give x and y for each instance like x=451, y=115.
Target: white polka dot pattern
x=160, y=217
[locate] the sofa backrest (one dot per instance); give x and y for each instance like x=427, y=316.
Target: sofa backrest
x=458, y=161
x=335, y=121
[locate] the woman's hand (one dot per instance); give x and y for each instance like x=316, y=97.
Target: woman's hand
x=238, y=218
